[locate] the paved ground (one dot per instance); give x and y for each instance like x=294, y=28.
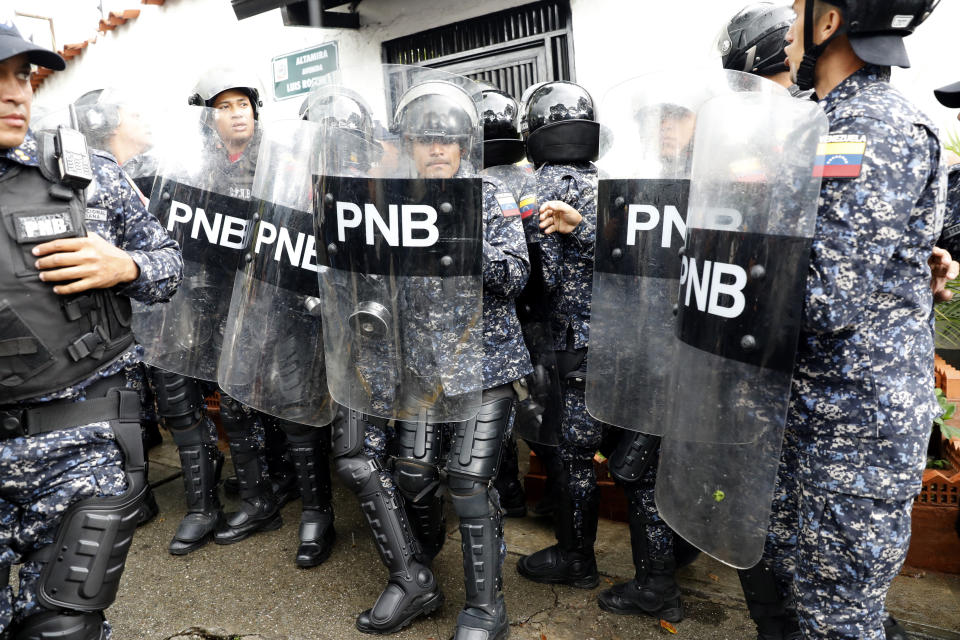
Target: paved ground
x=253, y=590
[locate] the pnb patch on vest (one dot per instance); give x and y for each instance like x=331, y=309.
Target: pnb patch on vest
x=44, y=227
x=93, y=213
x=508, y=204
x=840, y=156
x=528, y=206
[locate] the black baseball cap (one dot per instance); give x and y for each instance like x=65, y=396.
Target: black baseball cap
x=12, y=44
x=949, y=96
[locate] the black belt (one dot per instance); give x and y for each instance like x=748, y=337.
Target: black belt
x=30, y=420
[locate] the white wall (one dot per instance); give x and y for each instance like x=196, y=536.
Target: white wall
x=161, y=53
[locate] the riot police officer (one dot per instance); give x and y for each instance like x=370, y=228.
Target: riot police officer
x=562, y=140
x=861, y=407
x=230, y=154
x=80, y=246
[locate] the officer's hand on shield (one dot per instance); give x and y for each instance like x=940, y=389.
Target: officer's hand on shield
x=558, y=216
x=943, y=269
x=91, y=262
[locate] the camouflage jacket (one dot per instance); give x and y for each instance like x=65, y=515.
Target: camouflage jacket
x=116, y=212
x=862, y=399
x=506, y=268
x=568, y=259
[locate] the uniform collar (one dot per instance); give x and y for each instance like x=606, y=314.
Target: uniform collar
x=854, y=84
x=26, y=154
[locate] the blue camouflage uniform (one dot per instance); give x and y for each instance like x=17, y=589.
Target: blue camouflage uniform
x=862, y=400
x=568, y=277
x=42, y=476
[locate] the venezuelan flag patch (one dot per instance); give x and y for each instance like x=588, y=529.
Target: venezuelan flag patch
x=508, y=204
x=840, y=156
x=528, y=206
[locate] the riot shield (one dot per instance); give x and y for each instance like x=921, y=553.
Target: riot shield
x=400, y=250
x=202, y=198
x=272, y=358
x=538, y=409
x=751, y=218
x=641, y=221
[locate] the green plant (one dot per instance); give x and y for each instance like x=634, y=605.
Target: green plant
x=942, y=429
x=953, y=141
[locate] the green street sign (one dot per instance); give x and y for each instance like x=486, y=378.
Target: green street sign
x=298, y=72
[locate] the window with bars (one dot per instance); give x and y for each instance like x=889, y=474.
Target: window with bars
x=510, y=49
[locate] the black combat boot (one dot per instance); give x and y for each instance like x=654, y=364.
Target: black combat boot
x=484, y=614
x=201, y=463
x=412, y=590
x=776, y=619
x=513, y=499
x=258, y=507
x=571, y=561
x=653, y=590
x=893, y=630
x=309, y=453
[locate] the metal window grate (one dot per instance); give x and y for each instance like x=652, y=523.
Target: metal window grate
x=496, y=28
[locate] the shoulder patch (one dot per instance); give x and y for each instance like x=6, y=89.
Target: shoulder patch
x=840, y=156
x=508, y=204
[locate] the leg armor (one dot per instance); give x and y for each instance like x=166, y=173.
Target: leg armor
x=81, y=570
x=283, y=477
x=412, y=589
x=180, y=405
x=508, y=485
x=471, y=465
x=258, y=509
x=653, y=591
x=418, y=480
x=308, y=448
x=775, y=617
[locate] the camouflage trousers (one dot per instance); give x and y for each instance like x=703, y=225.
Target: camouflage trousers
x=40, y=478
x=836, y=553
x=642, y=505
x=580, y=438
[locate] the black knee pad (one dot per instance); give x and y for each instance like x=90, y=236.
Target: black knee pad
x=633, y=457
x=237, y=419
x=359, y=473
x=60, y=625
x=348, y=428
x=179, y=400
x=470, y=497
x=415, y=480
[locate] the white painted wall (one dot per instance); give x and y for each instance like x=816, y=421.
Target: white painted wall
x=161, y=53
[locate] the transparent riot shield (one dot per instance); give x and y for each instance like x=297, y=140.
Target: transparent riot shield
x=400, y=250
x=750, y=222
x=538, y=409
x=272, y=358
x=202, y=198
x=641, y=221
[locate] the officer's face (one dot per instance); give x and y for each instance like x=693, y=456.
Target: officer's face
x=794, y=49
x=435, y=158
x=16, y=94
x=234, y=117
x=134, y=131
x=676, y=132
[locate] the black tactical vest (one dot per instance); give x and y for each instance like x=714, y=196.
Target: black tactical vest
x=47, y=341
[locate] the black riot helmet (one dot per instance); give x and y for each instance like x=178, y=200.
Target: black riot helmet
x=437, y=110
x=216, y=80
x=559, y=124
x=754, y=39
x=876, y=29
x=347, y=122
x=502, y=143
x=97, y=119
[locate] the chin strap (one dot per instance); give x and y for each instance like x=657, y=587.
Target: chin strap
x=812, y=52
